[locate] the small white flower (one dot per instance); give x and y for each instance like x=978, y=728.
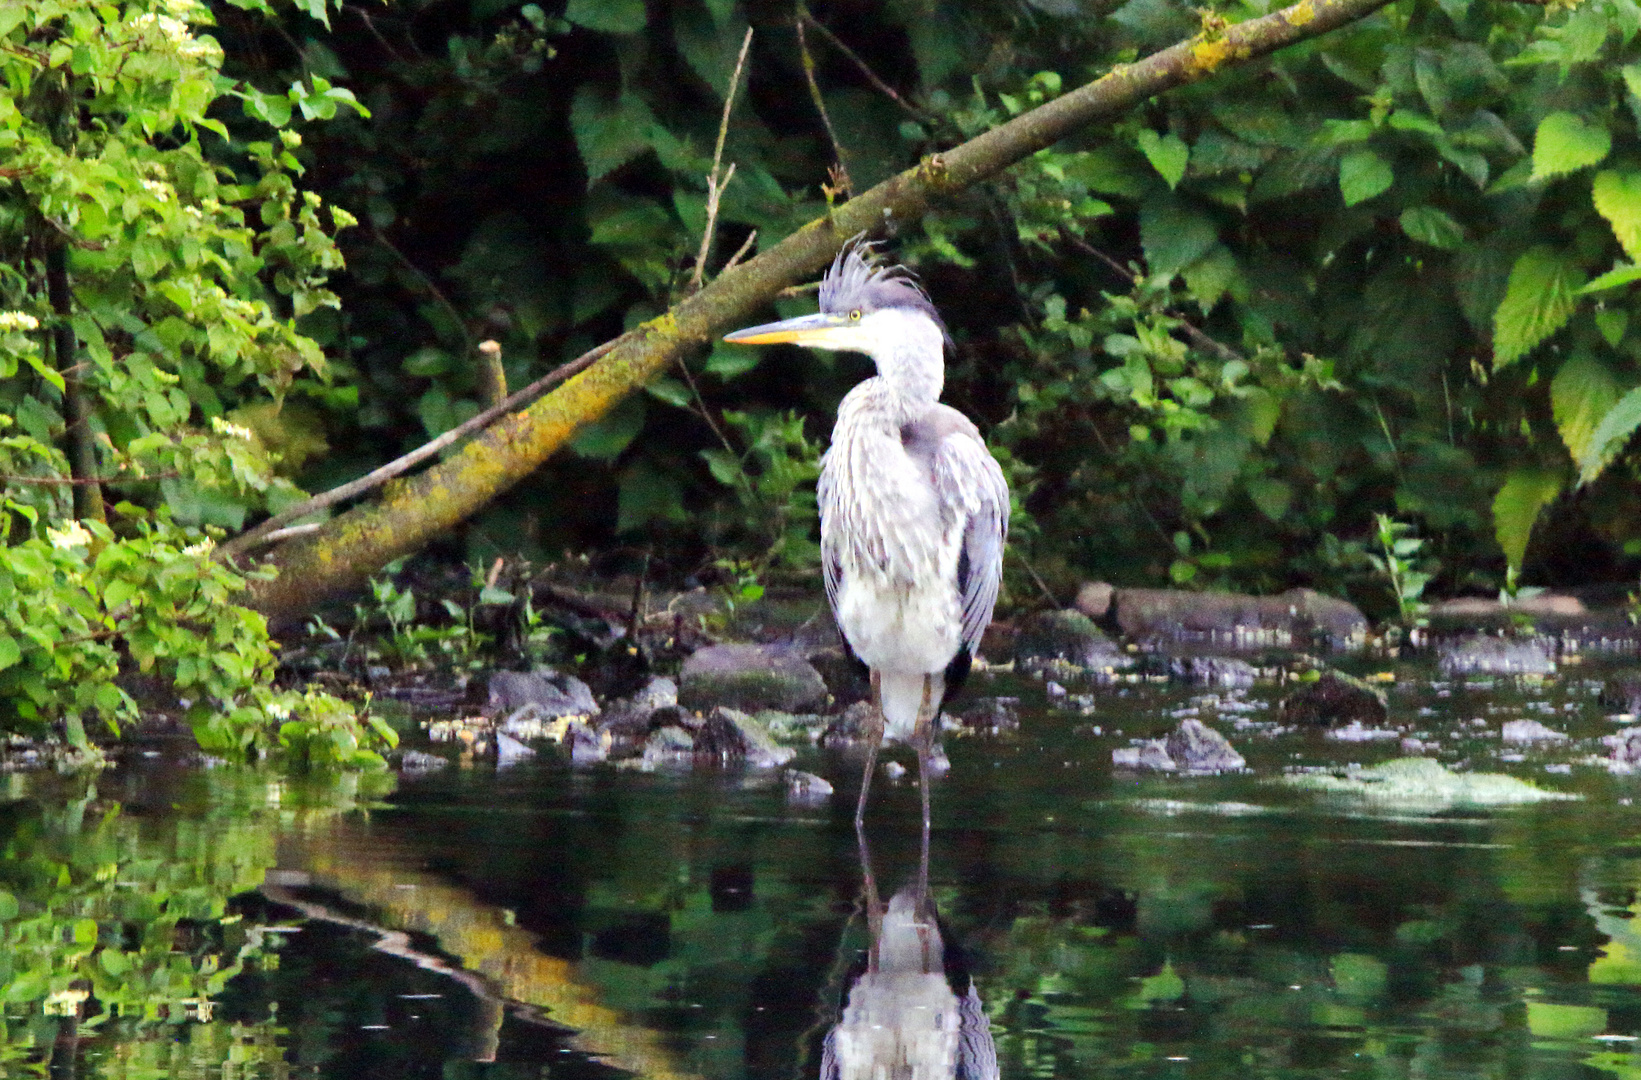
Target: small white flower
x=228, y=427
x=70, y=535
x=291, y=139
x=277, y=711
x=201, y=549
x=159, y=189
x=18, y=320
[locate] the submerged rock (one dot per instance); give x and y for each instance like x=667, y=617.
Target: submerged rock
x=627, y=724
x=1481, y=654
x=732, y=735
x=1213, y=670
x=1335, y=698
x=987, y=716
x=805, y=787
x=417, y=763
x=1622, y=693
x=1193, y=747
x=1298, y=618
x=1626, y=749
x=586, y=746
x=1068, y=636
x=750, y=677
x=1422, y=783
x=509, y=751
x=1529, y=731
x=849, y=728
x=669, y=745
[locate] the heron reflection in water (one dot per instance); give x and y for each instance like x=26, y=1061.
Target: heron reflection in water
x=912, y=1013
x=914, y=510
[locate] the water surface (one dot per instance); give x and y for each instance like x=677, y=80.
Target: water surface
x=543, y=921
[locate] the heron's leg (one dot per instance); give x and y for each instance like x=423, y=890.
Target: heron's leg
x=874, y=737
x=923, y=736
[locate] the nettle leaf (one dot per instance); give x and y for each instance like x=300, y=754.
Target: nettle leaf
x=1538, y=301
x=1362, y=175
x=1622, y=274
x=1610, y=435
x=1618, y=199
x=1612, y=323
x=1525, y=493
x=608, y=16
x=1582, y=394
x=1565, y=143
x=609, y=133
x=1428, y=225
x=1168, y=154
x=1172, y=235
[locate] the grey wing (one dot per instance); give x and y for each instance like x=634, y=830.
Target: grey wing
x=971, y=484
x=826, y=494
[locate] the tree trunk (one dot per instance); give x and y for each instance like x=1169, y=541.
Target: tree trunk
x=82, y=447
x=354, y=545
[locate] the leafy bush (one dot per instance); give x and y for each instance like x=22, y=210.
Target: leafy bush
x=154, y=270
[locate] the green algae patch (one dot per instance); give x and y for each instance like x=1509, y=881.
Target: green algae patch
x=1421, y=783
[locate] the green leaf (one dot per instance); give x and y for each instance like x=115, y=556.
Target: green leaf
x=1362, y=175
x=727, y=363
x=1617, y=198
x=1565, y=143
x=1173, y=236
x=1538, y=301
x=1168, y=154
x=672, y=392
x=607, y=16
x=1516, y=508
x=605, y=438
x=10, y=651
x=1428, y=225
x=1610, y=435
x=1622, y=274
x=1272, y=497
x=1583, y=392
x=647, y=495
x=1612, y=322
x=608, y=134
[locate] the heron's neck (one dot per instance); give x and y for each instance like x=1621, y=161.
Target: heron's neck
x=911, y=364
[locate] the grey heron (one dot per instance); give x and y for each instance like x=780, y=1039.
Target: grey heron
x=913, y=508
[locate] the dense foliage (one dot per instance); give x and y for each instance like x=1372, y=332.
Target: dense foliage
x=153, y=274
x=1211, y=339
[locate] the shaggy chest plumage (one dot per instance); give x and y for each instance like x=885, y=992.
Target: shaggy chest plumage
x=892, y=539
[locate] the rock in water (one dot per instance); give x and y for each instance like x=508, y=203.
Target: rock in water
x=1214, y=670
x=1067, y=635
x=1529, y=731
x=749, y=678
x=1486, y=655
x=546, y=693
x=806, y=788
x=1299, y=618
x=732, y=735
x=1196, y=747
x=1335, y=698
x=1193, y=747
x=1626, y=747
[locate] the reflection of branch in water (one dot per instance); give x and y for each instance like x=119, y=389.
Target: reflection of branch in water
x=486, y=1032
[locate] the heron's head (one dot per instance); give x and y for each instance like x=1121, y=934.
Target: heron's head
x=865, y=306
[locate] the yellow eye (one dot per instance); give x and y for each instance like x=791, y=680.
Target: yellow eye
x=854, y=316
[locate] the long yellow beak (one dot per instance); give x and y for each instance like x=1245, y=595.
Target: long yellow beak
x=817, y=331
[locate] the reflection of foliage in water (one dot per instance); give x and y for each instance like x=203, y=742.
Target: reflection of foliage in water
x=114, y=918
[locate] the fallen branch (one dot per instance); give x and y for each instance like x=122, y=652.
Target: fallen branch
x=352, y=546
x=264, y=532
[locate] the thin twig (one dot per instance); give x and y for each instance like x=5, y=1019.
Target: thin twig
x=798, y=290
x=370, y=24
x=13, y=478
x=427, y=283
x=841, y=174
x=706, y=413
x=715, y=187
x=1038, y=580
x=262, y=533
x=871, y=76
x=740, y=252
x=1198, y=338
